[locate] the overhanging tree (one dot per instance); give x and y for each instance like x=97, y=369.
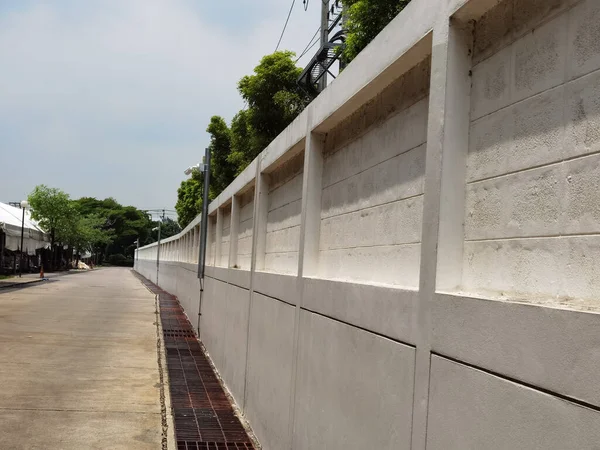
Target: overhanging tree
x=364, y=20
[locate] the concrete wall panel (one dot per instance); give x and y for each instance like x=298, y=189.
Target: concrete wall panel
x=470, y=409
x=269, y=380
x=235, y=339
x=283, y=226
x=383, y=310
x=245, y=232
x=584, y=38
x=354, y=389
x=553, y=348
x=392, y=265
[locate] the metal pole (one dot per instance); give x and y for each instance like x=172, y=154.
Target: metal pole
x=324, y=37
x=203, y=232
x=158, y=253
x=21, y=254
x=204, y=222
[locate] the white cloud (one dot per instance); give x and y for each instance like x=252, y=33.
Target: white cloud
x=112, y=98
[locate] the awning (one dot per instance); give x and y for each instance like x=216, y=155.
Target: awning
x=33, y=236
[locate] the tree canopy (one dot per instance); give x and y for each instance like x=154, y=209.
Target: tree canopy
x=104, y=228
x=364, y=20
x=273, y=100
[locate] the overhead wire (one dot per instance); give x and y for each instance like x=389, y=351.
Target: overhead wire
x=285, y=25
x=310, y=45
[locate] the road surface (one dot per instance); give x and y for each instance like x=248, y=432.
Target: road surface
x=79, y=364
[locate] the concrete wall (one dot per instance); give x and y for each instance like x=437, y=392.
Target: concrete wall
x=244, y=249
x=413, y=262
x=283, y=217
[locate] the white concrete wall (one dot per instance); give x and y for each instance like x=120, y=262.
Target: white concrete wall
x=283, y=218
x=533, y=167
x=372, y=199
x=225, y=239
x=417, y=253
x=245, y=231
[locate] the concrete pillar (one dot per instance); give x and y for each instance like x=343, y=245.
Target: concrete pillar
x=219, y=237
x=310, y=224
x=234, y=230
x=443, y=208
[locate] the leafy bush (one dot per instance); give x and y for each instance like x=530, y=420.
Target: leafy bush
x=120, y=260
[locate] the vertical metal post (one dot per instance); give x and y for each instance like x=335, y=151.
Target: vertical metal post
x=158, y=253
x=204, y=222
x=324, y=37
x=21, y=254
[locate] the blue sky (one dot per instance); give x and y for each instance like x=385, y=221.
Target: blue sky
x=112, y=97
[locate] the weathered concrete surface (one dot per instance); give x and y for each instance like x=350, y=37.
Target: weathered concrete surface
x=78, y=364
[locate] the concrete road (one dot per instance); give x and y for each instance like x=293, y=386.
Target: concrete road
x=79, y=364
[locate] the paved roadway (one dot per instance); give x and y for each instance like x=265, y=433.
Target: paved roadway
x=78, y=364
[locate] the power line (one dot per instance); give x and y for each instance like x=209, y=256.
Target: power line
x=309, y=45
x=286, y=23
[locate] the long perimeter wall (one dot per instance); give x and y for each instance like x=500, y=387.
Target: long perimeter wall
x=414, y=263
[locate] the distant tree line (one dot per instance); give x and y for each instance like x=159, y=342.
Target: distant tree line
x=103, y=228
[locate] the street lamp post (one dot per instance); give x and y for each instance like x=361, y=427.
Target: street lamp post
x=157, y=251
x=137, y=250
x=203, y=167
x=24, y=206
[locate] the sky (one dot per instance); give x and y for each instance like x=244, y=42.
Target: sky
x=111, y=98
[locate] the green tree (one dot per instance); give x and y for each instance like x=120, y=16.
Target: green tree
x=189, y=199
x=168, y=228
x=244, y=147
x=88, y=234
x=222, y=171
x=274, y=100
x=365, y=19
x=56, y=215
x=120, y=226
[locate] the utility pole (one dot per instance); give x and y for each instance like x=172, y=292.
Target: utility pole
x=324, y=37
x=158, y=253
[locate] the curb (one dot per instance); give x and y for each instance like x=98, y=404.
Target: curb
x=26, y=283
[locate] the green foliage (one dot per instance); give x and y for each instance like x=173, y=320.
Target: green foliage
x=274, y=97
x=274, y=100
x=189, y=198
x=365, y=20
x=244, y=145
x=101, y=227
x=54, y=211
x=120, y=260
x=168, y=228
x=222, y=170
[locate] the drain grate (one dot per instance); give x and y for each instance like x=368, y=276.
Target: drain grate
x=204, y=418
x=190, y=445
x=178, y=333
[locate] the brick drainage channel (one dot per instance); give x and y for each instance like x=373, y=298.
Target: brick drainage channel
x=204, y=418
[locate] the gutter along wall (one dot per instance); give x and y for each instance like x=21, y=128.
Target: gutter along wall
x=414, y=262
